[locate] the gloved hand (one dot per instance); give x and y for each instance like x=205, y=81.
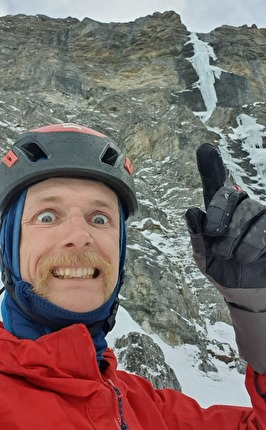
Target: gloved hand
x=229, y=247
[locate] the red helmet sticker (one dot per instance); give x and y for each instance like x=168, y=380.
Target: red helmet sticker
x=67, y=127
x=128, y=166
x=10, y=158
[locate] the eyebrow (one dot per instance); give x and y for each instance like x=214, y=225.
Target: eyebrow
x=58, y=199
x=52, y=199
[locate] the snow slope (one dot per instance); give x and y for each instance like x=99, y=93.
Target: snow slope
x=224, y=387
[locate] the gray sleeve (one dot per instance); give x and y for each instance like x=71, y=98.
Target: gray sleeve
x=250, y=330
x=247, y=307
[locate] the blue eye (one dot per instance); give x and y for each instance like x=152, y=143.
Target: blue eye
x=46, y=217
x=100, y=219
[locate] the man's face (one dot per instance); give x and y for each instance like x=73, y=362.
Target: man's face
x=69, y=248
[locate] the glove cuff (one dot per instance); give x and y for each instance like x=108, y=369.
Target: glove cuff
x=250, y=336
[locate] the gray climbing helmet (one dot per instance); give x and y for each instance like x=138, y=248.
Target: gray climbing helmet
x=65, y=150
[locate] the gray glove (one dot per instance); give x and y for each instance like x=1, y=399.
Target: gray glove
x=229, y=247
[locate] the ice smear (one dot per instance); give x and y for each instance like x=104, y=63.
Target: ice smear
x=206, y=72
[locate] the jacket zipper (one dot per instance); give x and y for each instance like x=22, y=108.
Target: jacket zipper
x=119, y=395
x=115, y=390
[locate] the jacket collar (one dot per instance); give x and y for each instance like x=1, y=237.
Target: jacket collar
x=63, y=361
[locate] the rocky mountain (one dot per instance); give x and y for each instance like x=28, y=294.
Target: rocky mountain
x=159, y=91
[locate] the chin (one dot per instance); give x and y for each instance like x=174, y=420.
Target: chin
x=82, y=306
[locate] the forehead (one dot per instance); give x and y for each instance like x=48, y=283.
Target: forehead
x=54, y=188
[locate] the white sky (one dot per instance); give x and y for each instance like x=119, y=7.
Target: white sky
x=197, y=15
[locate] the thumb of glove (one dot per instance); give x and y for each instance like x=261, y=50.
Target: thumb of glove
x=195, y=219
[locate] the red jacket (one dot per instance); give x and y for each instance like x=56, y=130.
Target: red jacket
x=54, y=383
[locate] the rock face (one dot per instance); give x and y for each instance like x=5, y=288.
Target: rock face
x=141, y=83
x=139, y=354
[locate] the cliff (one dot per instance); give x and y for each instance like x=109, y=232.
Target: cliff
x=158, y=91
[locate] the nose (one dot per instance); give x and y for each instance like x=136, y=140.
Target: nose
x=77, y=233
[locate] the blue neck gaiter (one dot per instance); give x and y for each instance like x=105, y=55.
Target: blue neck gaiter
x=20, y=308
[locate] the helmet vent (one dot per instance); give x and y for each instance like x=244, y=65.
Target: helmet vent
x=110, y=156
x=33, y=152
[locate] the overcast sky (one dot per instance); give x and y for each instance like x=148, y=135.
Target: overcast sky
x=197, y=15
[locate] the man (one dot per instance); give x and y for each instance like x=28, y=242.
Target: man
x=65, y=194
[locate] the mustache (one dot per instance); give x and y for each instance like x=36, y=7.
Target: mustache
x=88, y=259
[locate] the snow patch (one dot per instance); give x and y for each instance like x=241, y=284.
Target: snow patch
x=207, y=388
